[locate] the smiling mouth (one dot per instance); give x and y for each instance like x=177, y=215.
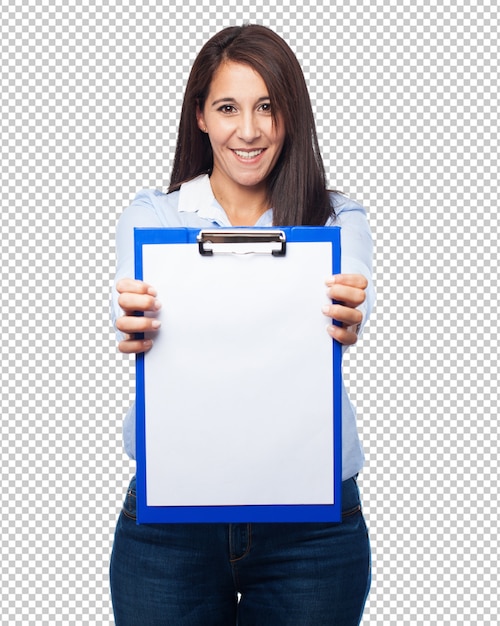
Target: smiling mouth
x=248, y=154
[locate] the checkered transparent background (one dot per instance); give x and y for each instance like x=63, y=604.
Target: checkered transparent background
x=405, y=95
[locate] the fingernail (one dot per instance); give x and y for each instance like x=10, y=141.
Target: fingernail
x=155, y=324
x=152, y=291
x=157, y=305
x=326, y=309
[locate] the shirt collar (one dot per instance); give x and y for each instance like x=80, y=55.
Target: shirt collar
x=196, y=196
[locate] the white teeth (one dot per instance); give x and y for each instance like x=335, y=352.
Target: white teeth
x=248, y=155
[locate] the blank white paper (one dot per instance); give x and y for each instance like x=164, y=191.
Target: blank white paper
x=239, y=382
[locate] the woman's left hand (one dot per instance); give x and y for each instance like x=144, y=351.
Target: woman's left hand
x=348, y=290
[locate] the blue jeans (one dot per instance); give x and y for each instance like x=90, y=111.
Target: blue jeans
x=283, y=574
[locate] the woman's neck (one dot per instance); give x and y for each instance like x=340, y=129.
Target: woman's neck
x=242, y=205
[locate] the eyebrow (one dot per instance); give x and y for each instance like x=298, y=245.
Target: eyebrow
x=233, y=100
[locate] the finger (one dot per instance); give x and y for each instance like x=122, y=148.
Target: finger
x=350, y=280
x=349, y=296
x=134, y=286
x=135, y=346
x=344, y=314
x=137, y=324
x=345, y=336
x=130, y=301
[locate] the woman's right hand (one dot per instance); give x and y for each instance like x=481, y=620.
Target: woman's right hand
x=136, y=297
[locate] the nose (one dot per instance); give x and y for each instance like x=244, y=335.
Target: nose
x=248, y=128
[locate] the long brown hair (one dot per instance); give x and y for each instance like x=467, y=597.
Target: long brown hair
x=296, y=186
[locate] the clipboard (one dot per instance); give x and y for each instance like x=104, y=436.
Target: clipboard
x=238, y=404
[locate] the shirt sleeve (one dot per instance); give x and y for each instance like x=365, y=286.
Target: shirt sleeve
x=357, y=250
x=142, y=213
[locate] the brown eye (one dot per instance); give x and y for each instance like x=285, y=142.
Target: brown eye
x=227, y=108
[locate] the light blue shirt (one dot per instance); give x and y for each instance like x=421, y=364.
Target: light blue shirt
x=195, y=206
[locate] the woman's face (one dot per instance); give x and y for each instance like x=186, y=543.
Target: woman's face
x=246, y=143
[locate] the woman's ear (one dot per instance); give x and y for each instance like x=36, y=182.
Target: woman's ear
x=201, y=120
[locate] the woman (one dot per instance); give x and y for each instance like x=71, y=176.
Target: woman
x=247, y=154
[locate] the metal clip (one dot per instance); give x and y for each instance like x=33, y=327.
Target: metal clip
x=241, y=241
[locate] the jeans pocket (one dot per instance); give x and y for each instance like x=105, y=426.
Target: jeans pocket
x=351, y=501
x=129, y=508
x=351, y=512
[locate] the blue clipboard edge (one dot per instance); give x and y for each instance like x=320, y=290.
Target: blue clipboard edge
x=240, y=513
